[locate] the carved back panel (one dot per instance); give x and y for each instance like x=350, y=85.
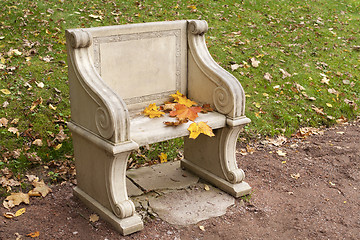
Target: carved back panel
x=143, y=63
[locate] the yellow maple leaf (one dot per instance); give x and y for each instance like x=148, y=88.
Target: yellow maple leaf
x=152, y=111
x=205, y=129
x=163, y=157
x=201, y=127
x=194, y=130
x=182, y=99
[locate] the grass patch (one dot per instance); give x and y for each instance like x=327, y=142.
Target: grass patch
x=313, y=41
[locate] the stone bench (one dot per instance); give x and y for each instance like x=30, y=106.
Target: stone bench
x=114, y=73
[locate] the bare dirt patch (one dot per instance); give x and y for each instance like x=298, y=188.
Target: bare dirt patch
x=310, y=193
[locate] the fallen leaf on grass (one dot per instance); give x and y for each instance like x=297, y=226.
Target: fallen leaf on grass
x=40, y=188
x=153, y=111
x=15, y=199
x=94, y=218
x=5, y=91
x=3, y=122
x=285, y=73
x=268, y=77
x=37, y=142
x=163, y=157
x=255, y=63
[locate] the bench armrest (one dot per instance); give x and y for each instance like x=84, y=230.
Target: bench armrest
x=94, y=106
x=210, y=83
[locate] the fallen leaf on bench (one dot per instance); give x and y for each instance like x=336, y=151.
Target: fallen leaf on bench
x=201, y=127
x=153, y=111
x=15, y=199
x=168, y=107
x=206, y=108
x=177, y=123
x=40, y=188
x=182, y=99
x=163, y=157
x=183, y=112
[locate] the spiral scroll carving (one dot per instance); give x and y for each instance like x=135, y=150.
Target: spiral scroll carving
x=222, y=100
x=80, y=39
x=104, y=123
x=236, y=176
x=124, y=209
x=198, y=27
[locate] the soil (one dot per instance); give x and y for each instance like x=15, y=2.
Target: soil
x=310, y=193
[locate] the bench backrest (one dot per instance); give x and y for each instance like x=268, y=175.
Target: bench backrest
x=142, y=63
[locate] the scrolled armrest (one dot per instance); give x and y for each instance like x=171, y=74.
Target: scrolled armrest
x=224, y=91
x=94, y=106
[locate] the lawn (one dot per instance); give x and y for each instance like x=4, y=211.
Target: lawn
x=298, y=62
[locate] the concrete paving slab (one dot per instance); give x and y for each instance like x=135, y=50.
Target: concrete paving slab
x=186, y=207
x=162, y=176
x=132, y=189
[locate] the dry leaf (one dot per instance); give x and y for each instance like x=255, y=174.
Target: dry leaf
x=206, y=108
x=13, y=130
x=32, y=178
x=9, y=215
x=8, y=182
x=33, y=234
x=37, y=142
x=177, y=123
x=285, y=73
x=254, y=62
x=317, y=110
x=152, y=111
x=3, y=122
x=20, y=212
x=295, y=176
x=268, y=77
x=202, y=228
x=333, y=91
x=40, y=187
x=183, y=112
x=182, y=99
x=94, y=218
x=5, y=91
x=281, y=153
x=235, y=66
x=169, y=107
x=206, y=187
x=15, y=199
x=163, y=157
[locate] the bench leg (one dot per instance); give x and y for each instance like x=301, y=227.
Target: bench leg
x=101, y=185
x=214, y=160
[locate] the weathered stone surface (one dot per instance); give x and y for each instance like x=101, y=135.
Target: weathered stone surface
x=185, y=207
x=132, y=189
x=162, y=176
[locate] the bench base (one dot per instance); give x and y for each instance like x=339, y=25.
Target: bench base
x=125, y=226
x=236, y=190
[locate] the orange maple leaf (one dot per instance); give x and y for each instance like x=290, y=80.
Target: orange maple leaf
x=201, y=127
x=153, y=111
x=182, y=99
x=183, y=112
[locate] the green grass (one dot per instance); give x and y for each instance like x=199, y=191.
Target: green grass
x=305, y=38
